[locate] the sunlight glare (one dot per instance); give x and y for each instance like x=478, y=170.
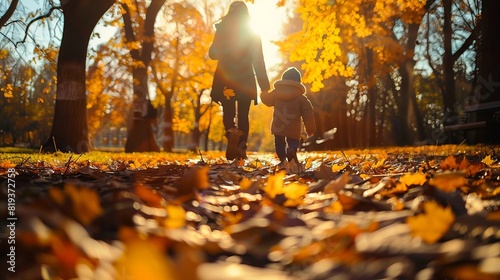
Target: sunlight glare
x=267, y=21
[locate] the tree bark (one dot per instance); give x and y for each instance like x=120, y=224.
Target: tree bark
x=449, y=99
x=488, y=87
x=69, y=127
x=142, y=138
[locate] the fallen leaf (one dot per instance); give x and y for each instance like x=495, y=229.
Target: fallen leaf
x=176, y=216
x=338, y=184
x=149, y=195
x=448, y=182
x=410, y=179
x=488, y=160
x=228, y=93
x=433, y=223
x=274, y=184
x=143, y=260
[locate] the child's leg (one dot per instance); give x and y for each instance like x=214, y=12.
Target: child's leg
x=293, y=146
x=280, y=146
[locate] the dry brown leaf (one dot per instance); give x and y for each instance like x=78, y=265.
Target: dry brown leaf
x=195, y=178
x=149, y=195
x=338, y=184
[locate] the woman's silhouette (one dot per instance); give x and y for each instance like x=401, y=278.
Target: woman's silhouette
x=239, y=53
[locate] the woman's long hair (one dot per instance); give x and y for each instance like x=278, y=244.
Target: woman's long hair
x=238, y=12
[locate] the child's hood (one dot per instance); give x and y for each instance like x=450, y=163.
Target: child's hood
x=288, y=90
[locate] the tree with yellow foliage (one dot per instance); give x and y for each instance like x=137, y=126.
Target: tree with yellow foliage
x=362, y=40
x=182, y=71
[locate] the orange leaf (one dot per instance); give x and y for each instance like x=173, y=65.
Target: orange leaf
x=143, y=260
x=148, y=195
x=433, y=224
x=448, y=182
x=410, y=179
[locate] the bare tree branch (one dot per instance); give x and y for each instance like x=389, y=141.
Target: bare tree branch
x=8, y=14
x=48, y=14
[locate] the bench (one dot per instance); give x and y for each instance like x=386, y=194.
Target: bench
x=482, y=116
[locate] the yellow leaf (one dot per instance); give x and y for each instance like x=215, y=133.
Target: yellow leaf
x=379, y=163
x=245, y=183
x=143, y=260
x=228, y=93
x=176, y=216
x=334, y=208
x=295, y=190
x=308, y=163
x=488, y=160
x=274, y=184
x=338, y=167
x=433, y=224
x=413, y=179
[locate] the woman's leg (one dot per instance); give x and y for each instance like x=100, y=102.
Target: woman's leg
x=228, y=114
x=243, y=125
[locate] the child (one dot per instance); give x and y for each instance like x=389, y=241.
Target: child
x=291, y=108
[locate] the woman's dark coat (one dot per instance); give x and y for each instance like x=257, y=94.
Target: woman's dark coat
x=239, y=53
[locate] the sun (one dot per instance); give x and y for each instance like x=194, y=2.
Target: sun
x=267, y=21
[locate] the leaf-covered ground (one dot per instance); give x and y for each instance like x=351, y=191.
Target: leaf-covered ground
x=429, y=212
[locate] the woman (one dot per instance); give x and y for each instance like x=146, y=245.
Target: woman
x=239, y=53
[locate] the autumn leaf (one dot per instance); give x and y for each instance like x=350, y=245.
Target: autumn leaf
x=433, y=223
x=176, y=216
x=274, y=184
x=245, y=183
x=65, y=251
x=455, y=162
x=84, y=203
x=338, y=167
x=149, y=195
x=334, y=208
x=488, y=160
x=380, y=162
x=294, y=193
x=228, y=93
x=143, y=260
x=7, y=164
x=338, y=184
x=448, y=182
x=195, y=178
x=410, y=179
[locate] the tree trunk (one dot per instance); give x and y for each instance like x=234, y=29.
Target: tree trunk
x=449, y=99
x=488, y=87
x=167, y=139
x=69, y=128
x=141, y=139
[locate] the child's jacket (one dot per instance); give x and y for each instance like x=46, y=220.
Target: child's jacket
x=291, y=108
